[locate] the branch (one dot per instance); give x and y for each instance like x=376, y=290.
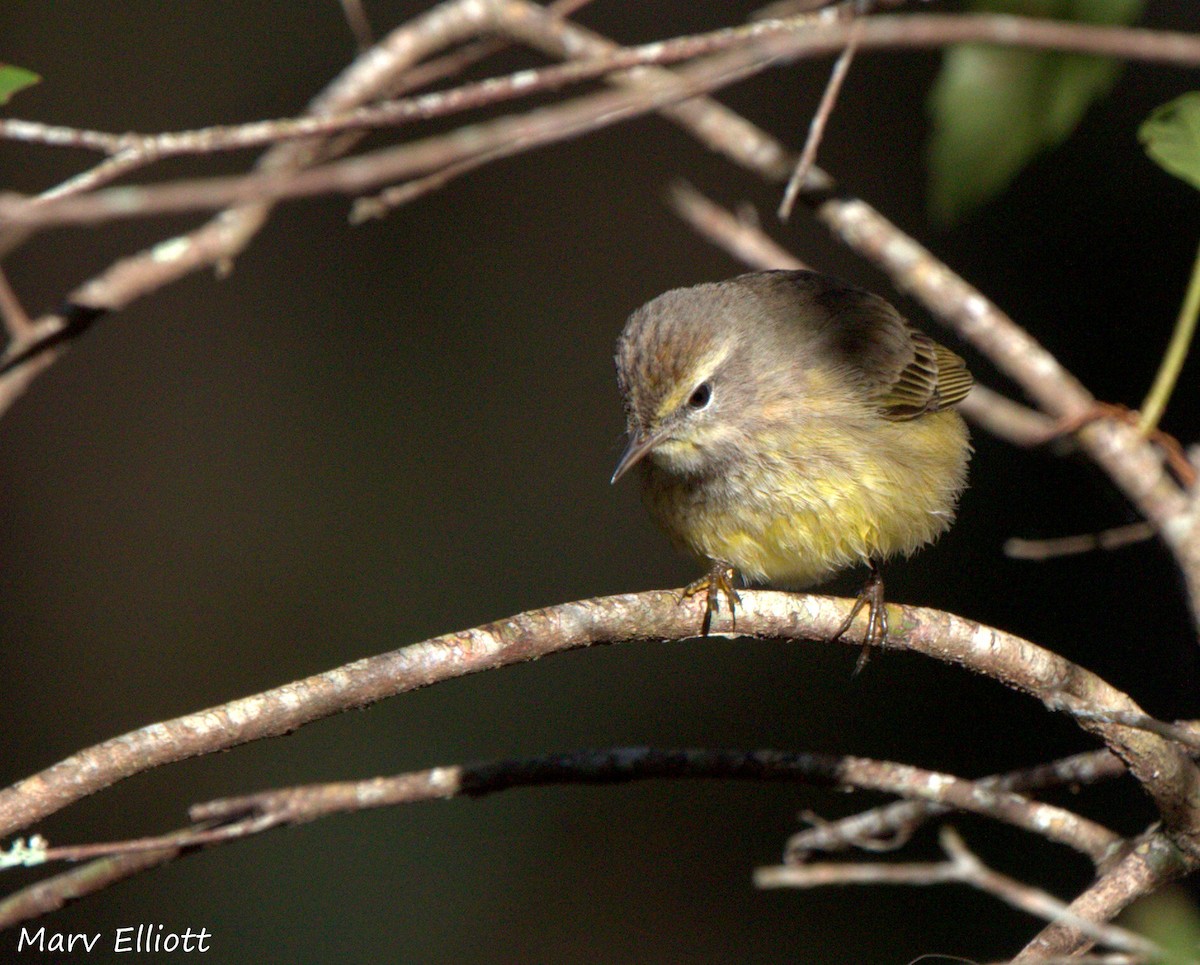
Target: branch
x=1040, y=550
x=62, y=889
x=745, y=240
x=890, y=826
x=222, y=238
x=1152, y=863
x=739, y=235
x=297, y=805
x=1161, y=766
x=962, y=867
x=253, y=814
x=775, y=40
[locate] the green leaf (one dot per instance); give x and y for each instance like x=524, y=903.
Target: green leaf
x=1170, y=918
x=995, y=108
x=13, y=79
x=1171, y=136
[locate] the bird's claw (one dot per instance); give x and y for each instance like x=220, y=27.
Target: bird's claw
x=718, y=580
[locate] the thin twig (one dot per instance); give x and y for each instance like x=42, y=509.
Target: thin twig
x=962, y=867
x=892, y=825
x=1184, y=733
x=1177, y=351
x=816, y=129
x=742, y=238
x=12, y=312
x=1107, y=539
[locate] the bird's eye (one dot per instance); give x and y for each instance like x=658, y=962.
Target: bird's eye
x=701, y=397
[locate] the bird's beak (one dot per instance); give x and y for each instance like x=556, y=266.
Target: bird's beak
x=638, y=447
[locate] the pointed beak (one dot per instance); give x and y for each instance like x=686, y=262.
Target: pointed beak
x=638, y=447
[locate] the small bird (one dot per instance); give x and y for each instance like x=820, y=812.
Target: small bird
x=787, y=426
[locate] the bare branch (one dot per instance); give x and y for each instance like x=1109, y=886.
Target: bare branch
x=890, y=826
x=55, y=892
x=253, y=814
x=1006, y=419
x=739, y=236
x=963, y=867
x=297, y=805
x=1153, y=862
x=1163, y=769
x=816, y=129
x=1106, y=539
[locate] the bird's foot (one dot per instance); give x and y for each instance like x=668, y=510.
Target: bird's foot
x=718, y=580
x=870, y=596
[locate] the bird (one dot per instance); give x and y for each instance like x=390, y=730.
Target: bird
x=787, y=426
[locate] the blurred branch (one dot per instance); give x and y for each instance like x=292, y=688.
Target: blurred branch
x=773, y=40
x=12, y=313
x=1107, y=539
x=743, y=238
x=740, y=235
x=359, y=23
x=816, y=128
x=961, y=867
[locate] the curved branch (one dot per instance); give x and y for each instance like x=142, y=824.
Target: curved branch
x=775, y=41
x=256, y=813
x=1161, y=766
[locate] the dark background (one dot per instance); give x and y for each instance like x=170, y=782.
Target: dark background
x=367, y=436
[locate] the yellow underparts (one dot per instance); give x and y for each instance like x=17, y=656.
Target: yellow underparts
x=835, y=500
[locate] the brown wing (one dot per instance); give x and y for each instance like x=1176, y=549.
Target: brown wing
x=935, y=379
x=905, y=371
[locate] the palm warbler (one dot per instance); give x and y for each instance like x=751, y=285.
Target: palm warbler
x=788, y=425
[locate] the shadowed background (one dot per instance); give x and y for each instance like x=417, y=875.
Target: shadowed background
x=367, y=436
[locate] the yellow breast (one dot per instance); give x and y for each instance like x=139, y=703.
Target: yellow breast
x=851, y=497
